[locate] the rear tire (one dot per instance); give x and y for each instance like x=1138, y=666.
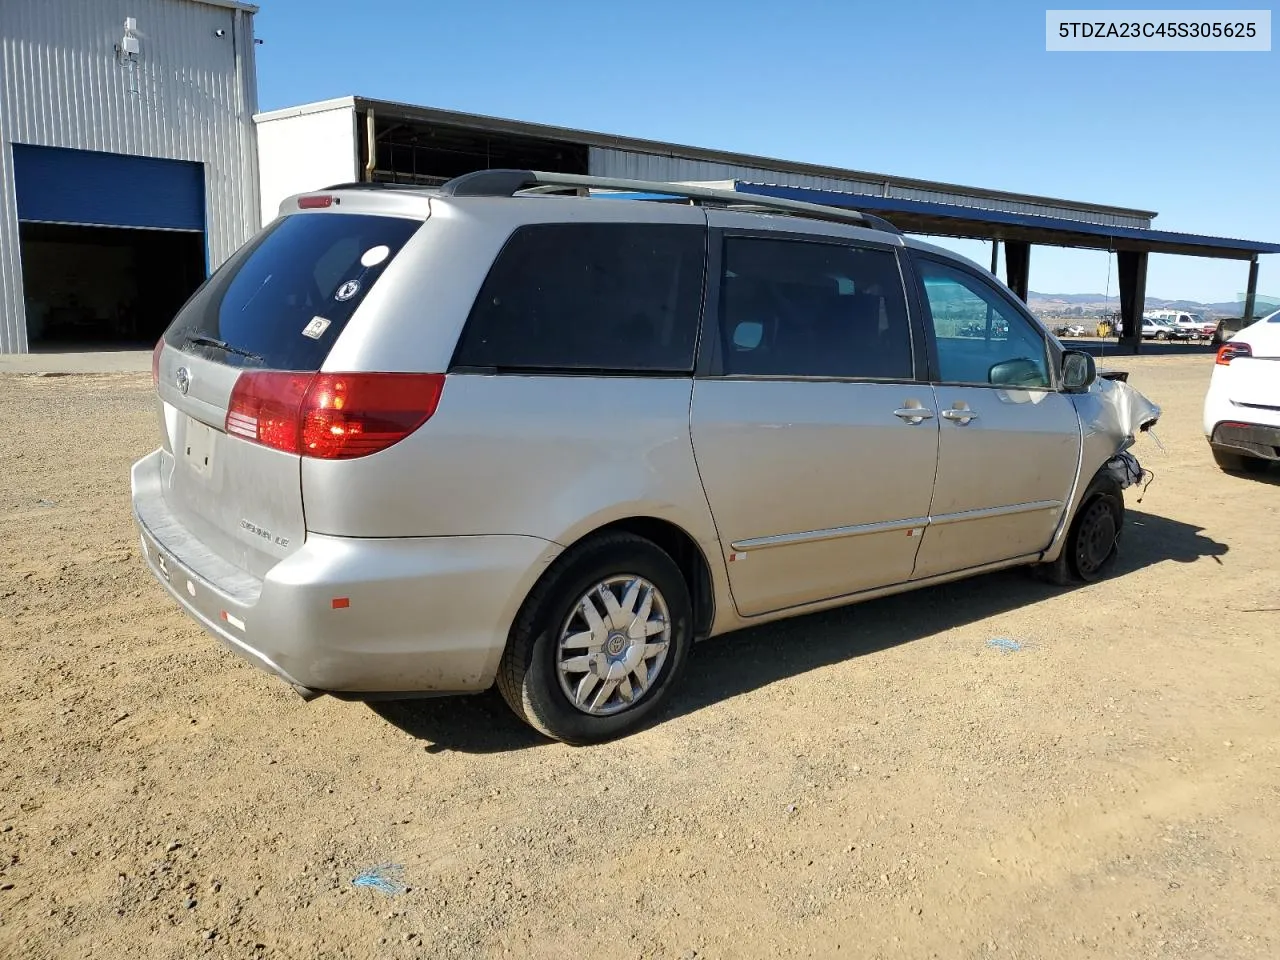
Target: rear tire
x=541, y=675
x=1093, y=539
x=1238, y=462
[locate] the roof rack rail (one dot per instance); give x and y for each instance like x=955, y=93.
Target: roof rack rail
x=507, y=183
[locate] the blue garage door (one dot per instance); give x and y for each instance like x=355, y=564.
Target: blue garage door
x=55, y=185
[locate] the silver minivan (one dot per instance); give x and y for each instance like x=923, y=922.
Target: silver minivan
x=547, y=431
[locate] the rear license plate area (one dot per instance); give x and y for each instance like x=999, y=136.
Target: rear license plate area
x=199, y=447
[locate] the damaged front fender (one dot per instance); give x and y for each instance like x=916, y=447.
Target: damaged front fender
x=1112, y=416
x=1119, y=415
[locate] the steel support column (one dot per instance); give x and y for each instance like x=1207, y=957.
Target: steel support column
x=1251, y=292
x=1017, y=265
x=995, y=256
x=1133, y=295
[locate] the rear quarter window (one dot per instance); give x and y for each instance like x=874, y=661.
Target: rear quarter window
x=284, y=298
x=599, y=297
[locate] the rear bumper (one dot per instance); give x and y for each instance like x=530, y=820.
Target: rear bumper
x=347, y=615
x=1251, y=439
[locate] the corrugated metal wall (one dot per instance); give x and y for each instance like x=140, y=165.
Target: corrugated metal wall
x=647, y=166
x=190, y=96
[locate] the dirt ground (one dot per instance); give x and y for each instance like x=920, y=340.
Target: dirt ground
x=873, y=782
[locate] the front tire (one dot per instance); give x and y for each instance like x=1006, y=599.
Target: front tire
x=1094, y=537
x=1238, y=462
x=599, y=642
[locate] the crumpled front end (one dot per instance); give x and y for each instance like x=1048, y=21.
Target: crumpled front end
x=1119, y=415
x=1112, y=417
x=1112, y=410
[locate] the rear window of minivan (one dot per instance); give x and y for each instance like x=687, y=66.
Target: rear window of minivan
x=589, y=297
x=283, y=299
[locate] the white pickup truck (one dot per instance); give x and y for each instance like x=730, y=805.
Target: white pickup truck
x=1190, y=326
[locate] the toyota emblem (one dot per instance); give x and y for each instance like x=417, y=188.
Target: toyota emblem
x=183, y=379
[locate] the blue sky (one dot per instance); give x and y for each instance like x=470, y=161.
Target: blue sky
x=957, y=92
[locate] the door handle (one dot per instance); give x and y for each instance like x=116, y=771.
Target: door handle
x=914, y=415
x=960, y=415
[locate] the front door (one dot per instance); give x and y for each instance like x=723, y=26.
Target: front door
x=815, y=441
x=1009, y=446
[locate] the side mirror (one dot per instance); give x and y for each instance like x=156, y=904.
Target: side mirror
x=1078, y=371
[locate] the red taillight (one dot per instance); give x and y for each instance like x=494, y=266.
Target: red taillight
x=353, y=414
x=266, y=408
x=314, y=203
x=155, y=362
x=1233, y=350
x=331, y=416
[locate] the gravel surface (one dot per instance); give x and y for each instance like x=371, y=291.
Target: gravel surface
x=878, y=781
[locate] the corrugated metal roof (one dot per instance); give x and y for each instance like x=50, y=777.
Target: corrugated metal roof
x=389, y=109
x=627, y=164
x=1045, y=229
x=319, y=106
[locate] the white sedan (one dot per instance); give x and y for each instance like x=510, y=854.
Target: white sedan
x=1242, y=408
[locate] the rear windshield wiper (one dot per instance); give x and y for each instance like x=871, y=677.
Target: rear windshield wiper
x=201, y=340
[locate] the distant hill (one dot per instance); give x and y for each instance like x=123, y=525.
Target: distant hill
x=1072, y=298
x=1063, y=304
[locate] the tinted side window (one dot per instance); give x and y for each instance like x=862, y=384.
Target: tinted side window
x=590, y=296
x=285, y=297
x=981, y=337
x=802, y=309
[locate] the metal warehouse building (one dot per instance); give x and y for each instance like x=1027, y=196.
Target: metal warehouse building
x=127, y=162
x=355, y=138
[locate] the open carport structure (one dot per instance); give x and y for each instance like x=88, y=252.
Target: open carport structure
x=1020, y=231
